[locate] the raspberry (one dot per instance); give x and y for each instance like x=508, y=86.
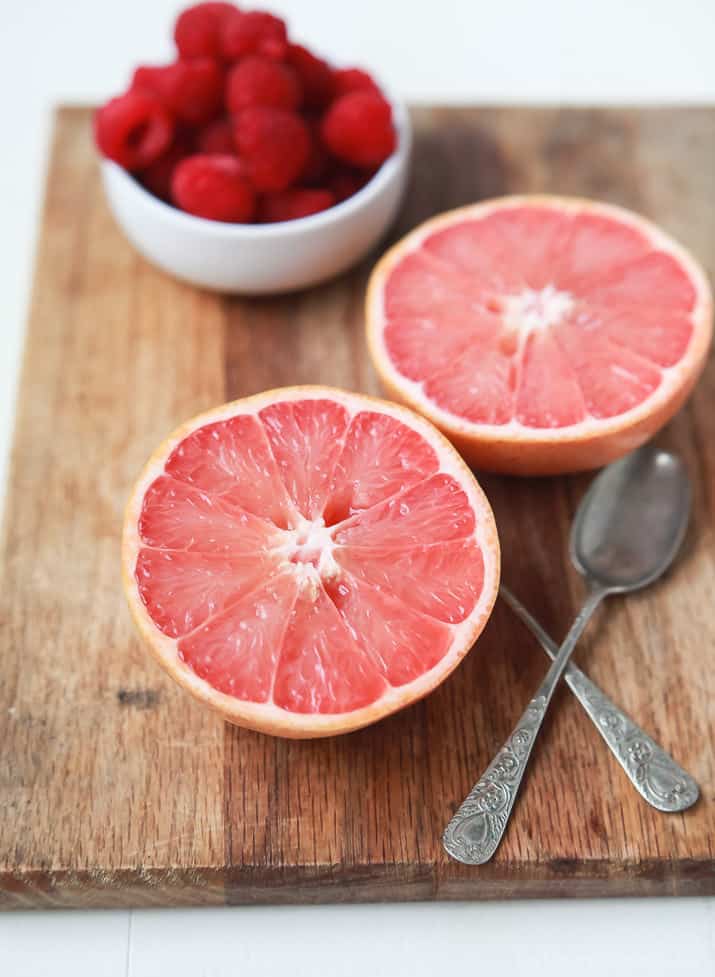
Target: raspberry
x=157, y=176
x=191, y=90
x=260, y=81
x=197, y=31
x=319, y=162
x=316, y=76
x=133, y=130
x=289, y=205
x=214, y=187
x=346, y=182
x=353, y=80
x=358, y=128
x=254, y=32
x=275, y=145
x=216, y=137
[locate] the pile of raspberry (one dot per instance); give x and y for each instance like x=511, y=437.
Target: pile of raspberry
x=246, y=126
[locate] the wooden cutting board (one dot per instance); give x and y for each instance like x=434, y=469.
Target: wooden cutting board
x=117, y=789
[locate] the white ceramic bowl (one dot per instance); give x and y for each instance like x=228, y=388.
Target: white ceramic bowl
x=257, y=258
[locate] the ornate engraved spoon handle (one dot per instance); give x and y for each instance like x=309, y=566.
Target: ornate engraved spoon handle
x=475, y=831
x=653, y=772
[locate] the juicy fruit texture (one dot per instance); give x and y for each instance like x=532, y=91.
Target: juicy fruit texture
x=214, y=187
x=358, y=129
x=234, y=68
x=316, y=76
x=133, y=130
x=158, y=175
x=198, y=29
x=353, y=80
x=541, y=334
x=254, y=32
x=192, y=91
x=216, y=137
x=307, y=561
x=274, y=144
x=288, y=205
x=261, y=81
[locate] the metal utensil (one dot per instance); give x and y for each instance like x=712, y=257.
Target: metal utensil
x=654, y=773
x=626, y=534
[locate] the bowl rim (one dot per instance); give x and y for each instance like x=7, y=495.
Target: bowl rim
x=392, y=165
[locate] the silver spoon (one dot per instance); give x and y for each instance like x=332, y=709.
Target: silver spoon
x=654, y=773
x=626, y=534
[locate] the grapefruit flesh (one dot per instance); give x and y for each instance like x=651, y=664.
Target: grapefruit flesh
x=307, y=561
x=541, y=334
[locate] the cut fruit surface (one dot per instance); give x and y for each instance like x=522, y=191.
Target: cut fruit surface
x=307, y=561
x=541, y=334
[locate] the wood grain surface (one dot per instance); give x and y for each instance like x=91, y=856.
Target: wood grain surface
x=117, y=789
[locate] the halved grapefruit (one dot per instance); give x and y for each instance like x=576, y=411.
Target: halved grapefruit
x=307, y=560
x=541, y=334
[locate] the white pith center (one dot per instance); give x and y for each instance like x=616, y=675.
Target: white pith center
x=307, y=552
x=536, y=309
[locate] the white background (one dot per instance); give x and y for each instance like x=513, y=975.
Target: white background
x=449, y=50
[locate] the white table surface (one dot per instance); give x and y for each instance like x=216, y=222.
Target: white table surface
x=453, y=50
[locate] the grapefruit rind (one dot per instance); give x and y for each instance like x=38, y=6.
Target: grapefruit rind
x=514, y=448
x=268, y=717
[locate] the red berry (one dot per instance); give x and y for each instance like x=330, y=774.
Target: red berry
x=358, y=128
x=197, y=31
x=133, y=130
x=214, y=187
x=275, y=145
x=319, y=162
x=157, y=176
x=191, y=90
x=216, y=137
x=289, y=205
x=254, y=32
x=353, y=80
x=316, y=76
x=261, y=81
x=345, y=182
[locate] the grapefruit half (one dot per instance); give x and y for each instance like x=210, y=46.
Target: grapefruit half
x=307, y=560
x=541, y=334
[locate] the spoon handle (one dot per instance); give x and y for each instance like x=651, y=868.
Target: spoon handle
x=654, y=773
x=475, y=831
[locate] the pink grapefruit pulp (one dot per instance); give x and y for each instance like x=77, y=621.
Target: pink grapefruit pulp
x=307, y=561
x=541, y=334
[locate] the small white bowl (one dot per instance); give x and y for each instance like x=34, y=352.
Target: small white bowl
x=258, y=258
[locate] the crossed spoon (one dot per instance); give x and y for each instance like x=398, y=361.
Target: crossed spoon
x=627, y=532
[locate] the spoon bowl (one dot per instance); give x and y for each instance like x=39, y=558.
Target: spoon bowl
x=626, y=533
x=632, y=521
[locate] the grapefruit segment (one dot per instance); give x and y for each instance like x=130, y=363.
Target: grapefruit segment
x=322, y=668
x=423, y=347
x=484, y=250
x=306, y=438
x=401, y=641
x=307, y=561
x=612, y=379
x=479, y=385
x=233, y=459
x=380, y=457
x=184, y=588
x=443, y=580
x=237, y=651
x=663, y=336
x=616, y=244
x=555, y=334
x=535, y=406
x=433, y=511
x=423, y=287
x=176, y=516
x=654, y=280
